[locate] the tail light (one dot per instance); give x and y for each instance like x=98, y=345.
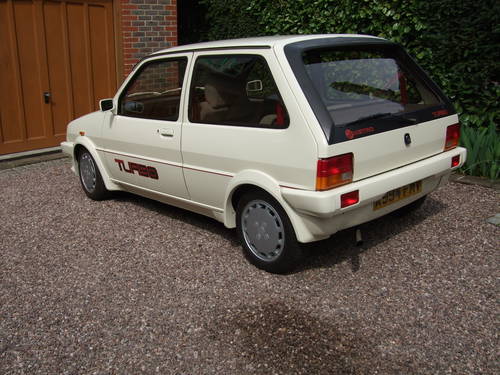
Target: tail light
x=455, y=161
x=334, y=171
x=452, y=136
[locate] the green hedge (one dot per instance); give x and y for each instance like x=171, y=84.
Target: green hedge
x=456, y=41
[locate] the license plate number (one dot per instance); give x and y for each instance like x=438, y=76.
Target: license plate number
x=396, y=195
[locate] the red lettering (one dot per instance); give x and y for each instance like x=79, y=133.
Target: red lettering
x=133, y=166
x=142, y=170
x=441, y=112
x=120, y=163
x=153, y=173
x=350, y=134
x=128, y=170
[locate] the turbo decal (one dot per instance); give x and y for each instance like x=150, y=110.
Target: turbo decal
x=350, y=134
x=142, y=170
x=442, y=112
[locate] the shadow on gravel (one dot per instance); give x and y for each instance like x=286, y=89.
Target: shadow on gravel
x=341, y=247
x=189, y=217
x=272, y=339
x=337, y=249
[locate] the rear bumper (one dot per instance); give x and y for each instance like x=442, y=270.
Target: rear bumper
x=321, y=214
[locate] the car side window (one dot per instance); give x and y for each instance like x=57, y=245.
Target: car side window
x=236, y=90
x=155, y=91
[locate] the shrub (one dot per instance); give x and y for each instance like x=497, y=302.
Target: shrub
x=483, y=151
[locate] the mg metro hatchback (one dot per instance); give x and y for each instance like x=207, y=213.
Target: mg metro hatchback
x=288, y=139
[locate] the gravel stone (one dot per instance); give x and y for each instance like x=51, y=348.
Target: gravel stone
x=129, y=285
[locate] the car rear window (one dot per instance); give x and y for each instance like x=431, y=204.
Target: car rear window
x=363, y=86
x=355, y=85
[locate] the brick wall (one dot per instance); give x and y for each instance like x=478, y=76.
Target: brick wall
x=147, y=26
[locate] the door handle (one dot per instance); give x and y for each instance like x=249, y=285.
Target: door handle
x=166, y=132
x=46, y=97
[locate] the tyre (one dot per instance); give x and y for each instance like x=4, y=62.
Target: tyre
x=90, y=177
x=409, y=208
x=266, y=234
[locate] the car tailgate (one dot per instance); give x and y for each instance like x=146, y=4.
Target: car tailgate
x=382, y=152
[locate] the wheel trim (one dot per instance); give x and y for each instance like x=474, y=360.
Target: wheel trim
x=263, y=230
x=87, y=172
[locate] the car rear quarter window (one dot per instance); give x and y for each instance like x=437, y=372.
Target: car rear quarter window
x=237, y=90
x=155, y=91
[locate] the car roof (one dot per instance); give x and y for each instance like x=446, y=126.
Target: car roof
x=256, y=42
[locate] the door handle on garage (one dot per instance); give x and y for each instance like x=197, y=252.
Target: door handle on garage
x=166, y=132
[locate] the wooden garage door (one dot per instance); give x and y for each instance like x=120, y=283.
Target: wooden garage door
x=57, y=59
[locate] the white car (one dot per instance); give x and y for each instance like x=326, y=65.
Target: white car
x=288, y=139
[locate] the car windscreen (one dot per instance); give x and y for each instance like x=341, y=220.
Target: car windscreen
x=363, y=88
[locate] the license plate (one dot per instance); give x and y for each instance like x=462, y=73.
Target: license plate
x=396, y=195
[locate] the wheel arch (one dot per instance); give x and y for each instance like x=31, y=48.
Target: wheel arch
x=252, y=180
x=84, y=143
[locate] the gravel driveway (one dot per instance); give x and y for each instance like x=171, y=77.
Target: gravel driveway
x=133, y=286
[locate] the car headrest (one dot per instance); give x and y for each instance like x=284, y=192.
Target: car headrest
x=223, y=91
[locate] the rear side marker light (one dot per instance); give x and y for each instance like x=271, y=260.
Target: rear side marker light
x=455, y=161
x=334, y=171
x=452, y=136
x=348, y=199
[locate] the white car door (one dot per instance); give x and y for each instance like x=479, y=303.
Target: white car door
x=241, y=118
x=142, y=140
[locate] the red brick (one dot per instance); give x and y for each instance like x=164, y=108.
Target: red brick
x=129, y=6
x=161, y=29
x=128, y=17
